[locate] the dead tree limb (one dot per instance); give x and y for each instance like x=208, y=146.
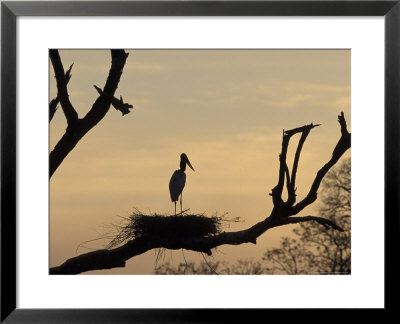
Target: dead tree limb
x=280, y=215
x=342, y=146
x=78, y=127
x=118, y=104
x=116, y=258
x=54, y=102
x=62, y=92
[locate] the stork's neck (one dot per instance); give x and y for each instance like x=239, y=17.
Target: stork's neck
x=183, y=165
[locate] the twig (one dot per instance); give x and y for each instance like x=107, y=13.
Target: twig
x=62, y=93
x=212, y=269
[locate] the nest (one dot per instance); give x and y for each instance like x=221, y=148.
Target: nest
x=139, y=225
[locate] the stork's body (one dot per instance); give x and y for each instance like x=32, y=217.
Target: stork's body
x=178, y=181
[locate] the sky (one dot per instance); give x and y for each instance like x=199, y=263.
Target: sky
x=225, y=109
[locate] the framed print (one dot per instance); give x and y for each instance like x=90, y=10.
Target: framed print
x=262, y=97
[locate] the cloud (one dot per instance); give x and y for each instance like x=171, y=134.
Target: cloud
x=143, y=67
x=188, y=100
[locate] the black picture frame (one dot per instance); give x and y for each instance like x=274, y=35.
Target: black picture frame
x=11, y=10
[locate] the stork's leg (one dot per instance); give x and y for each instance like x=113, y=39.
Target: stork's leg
x=175, y=207
x=181, y=204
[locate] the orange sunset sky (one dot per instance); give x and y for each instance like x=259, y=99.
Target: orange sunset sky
x=225, y=109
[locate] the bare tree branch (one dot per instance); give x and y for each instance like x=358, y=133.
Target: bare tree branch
x=118, y=104
x=77, y=128
x=323, y=221
x=292, y=186
x=62, y=92
x=102, y=104
x=54, y=102
x=107, y=259
x=342, y=146
x=284, y=170
x=53, y=107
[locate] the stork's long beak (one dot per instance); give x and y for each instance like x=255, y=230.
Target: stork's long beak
x=188, y=163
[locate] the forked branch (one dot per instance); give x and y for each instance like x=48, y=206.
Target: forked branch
x=54, y=102
x=62, y=92
x=342, y=146
x=118, y=104
x=284, y=170
x=77, y=128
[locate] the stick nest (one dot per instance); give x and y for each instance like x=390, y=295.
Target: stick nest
x=139, y=225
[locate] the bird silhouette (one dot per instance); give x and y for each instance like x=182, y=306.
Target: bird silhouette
x=178, y=180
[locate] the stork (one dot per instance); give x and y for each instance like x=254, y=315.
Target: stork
x=178, y=180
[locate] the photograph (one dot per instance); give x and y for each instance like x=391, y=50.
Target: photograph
x=199, y=161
